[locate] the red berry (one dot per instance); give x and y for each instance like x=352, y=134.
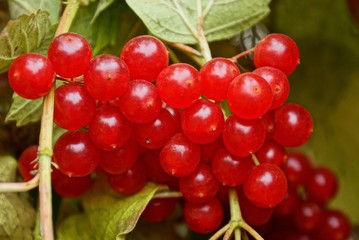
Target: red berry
x=203, y=217
x=249, y=96
x=155, y=172
x=27, y=162
x=278, y=51
x=215, y=77
x=200, y=186
x=243, y=137
x=31, y=75
x=178, y=85
x=140, y=103
x=268, y=120
x=74, y=107
x=334, y=225
x=130, y=182
x=293, y=125
x=107, y=77
x=109, y=129
x=297, y=168
x=278, y=82
x=180, y=157
x=76, y=154
x=306, y=216
x=230, y=170
x=159, y=209
x=288, y=206
x=202, y=122
x=70, y=54
x=322, y=185
x=266, y=186
x=120, y=160
x=208, y=150
x=145, y=57
x=272, y=152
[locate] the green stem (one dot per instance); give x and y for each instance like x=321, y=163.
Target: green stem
x=250, y=230
x=255, y=159
x=236, y=214
x=220, y=232
x=45, y=139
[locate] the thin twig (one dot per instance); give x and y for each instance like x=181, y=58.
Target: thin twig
x=250, y=230
x=184, y=48
x=168, y=194
x=20, y=186
x=220, y=232
x=242, y=54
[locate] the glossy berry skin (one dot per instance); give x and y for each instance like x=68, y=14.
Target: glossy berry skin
x=107, y=77
x=74, y=107
x=202, y=122
x=208, y=150
x=230, y=170
x=130, y=182
x=322, y=185
x=252, y=214
x=120, y=160
x=203, y=217
x=266, y=186
x=159, y=209
x=70, y=187
x=180, y=157
x=278, y=82
x=293, y=125
x=140, y=103
x=307, y=215
x=334, y=225
x=201, y=186
x=27, y=161
x=145, y=57
x=155, y=172
x=178, y=85
x=243, y=137
x=175, y=113
x=31, y=75
x=272, y=152
x=249, y=96
x=278, y=51
x=70, y=54
x=298, y=168
x=288, y=206
x=268, y=120
x=215, y=77
x=155, y=134
x=76, y=154
x=109, y=129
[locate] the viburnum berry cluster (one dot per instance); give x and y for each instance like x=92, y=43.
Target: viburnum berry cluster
x=136, y=118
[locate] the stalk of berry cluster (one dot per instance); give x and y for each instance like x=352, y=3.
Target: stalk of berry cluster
x=45, y=140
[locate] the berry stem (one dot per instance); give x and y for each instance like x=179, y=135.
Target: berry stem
x=184, y=48
x=220, y=232
x=20, y=186
x=168, y=194
x=45, y=139
x=242, y=54
x=250, y=230
x=255, y=159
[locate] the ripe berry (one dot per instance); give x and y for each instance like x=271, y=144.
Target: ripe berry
x=230, y=170
x=130, y=182
x=215, y=77
x=178, y=85
x=120, y=160
x=145, y=57
x=200, y=186
x=70, y=54
x=203, y=217
x=31, y=75
x=278, y=51
x=70, y=187
x=272, y=152
x=208, y=150
x=74, y=107
x=202, y=122
x=278, y=82
x=293, y=125
x=266, y=186
x=249, y=96
x=27, y=162
x=180, y=157
x=107, y=77
x=159, y=209
x=155, y=172
x=334, y=225
x=140, y=103
x=297, y=168
x=243, y=137
x=288, y=206
x=155, y=134
x=109, y=129
x=306, y=216
x=76, y=154
x=322, y=185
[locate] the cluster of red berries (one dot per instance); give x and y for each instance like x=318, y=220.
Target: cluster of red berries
x=137, y=118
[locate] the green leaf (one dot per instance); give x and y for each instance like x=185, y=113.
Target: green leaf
x=24, y=111
x=19, y=7
x=22, y=35
x=106, y=216
x=101, y=6
x=8, y=166
x=326, y=82
x=177, y=21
